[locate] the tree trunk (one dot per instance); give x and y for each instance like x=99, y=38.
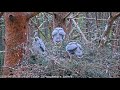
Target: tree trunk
x=16, y=33
x=107, y=30
x=59, y=20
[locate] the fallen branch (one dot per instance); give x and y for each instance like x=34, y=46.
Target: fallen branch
x=107, y=30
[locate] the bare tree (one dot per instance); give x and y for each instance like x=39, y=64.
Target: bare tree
x=107, y=29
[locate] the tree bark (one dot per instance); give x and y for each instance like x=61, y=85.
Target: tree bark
x=59, y=20
x=16, y=33
x=107, y=30
x=1, y=13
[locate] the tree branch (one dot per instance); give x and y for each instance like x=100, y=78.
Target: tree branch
x=67, y=15
x=39, y=28
x=74, y=15
x=50, y=13
x=107, y=30
x=80, y=31
x=63, y=14
x=31, y=14
x=1, y=13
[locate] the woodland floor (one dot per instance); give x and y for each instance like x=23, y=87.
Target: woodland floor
x=102, y=63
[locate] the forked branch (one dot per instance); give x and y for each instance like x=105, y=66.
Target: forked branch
x=107, y=30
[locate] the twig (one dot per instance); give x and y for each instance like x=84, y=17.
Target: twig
x=74, y=16
x=80, y=31
x=38, y=28
x=67, y=15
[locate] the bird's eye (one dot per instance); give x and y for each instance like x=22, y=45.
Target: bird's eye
x=35, y=39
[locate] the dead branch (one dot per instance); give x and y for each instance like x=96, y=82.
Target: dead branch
x=80, y=31
x=107, y=30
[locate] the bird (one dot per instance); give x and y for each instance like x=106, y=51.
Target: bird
x=38, y=46
x=58, y=35
x=74, y=49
